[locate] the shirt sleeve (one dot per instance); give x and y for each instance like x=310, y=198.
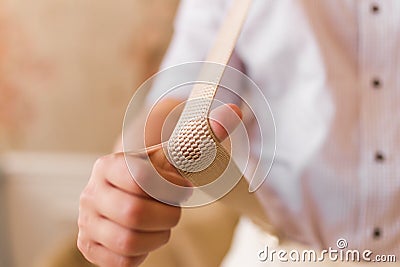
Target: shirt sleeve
x=195, y=28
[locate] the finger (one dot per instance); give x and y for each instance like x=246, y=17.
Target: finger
x=101, y=256
x=224, y=119
x=151, y=175
x=143, y=177
x=112, y=169
x=123, y=241
x=166, y=169
x=136, y=213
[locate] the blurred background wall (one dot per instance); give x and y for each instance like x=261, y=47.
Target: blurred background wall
x=67, y=71
x=68, y=68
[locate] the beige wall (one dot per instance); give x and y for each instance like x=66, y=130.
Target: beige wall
x=71, y=67
x=67, y=71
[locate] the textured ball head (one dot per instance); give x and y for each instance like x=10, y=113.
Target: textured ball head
x=192, y=147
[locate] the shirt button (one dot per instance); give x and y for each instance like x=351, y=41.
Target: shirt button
x=376, y=83
x=377, y=233
x=375, y=8
x=379, y=157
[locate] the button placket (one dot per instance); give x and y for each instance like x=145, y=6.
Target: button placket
x=373, y=148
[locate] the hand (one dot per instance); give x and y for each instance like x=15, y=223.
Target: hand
x=119, y=224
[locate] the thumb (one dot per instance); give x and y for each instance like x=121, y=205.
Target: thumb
x=224, y=119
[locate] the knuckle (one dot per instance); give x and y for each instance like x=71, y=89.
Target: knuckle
x=79, y=243
x=85, y=247
x=83, y=220
x=85, y=197
x=105, y=161
x=100, y=163
x=85, y=205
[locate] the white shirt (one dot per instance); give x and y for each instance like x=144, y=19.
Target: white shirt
x=331, y=73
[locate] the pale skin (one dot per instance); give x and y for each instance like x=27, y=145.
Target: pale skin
x=119, y=224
